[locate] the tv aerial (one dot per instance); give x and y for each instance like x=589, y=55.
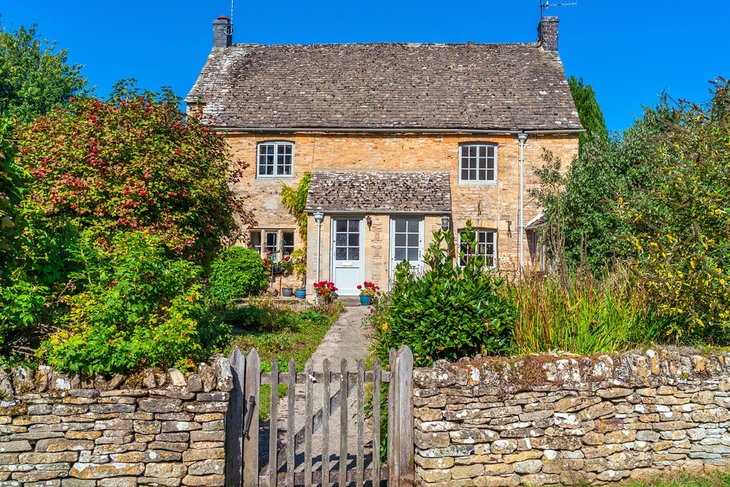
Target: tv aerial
x=545, y=5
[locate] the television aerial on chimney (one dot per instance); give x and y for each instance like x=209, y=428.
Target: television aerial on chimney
x=545, y=5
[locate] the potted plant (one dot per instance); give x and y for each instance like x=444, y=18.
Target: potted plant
x=286, y=265
x=368, y=292
x=299, y=260
x=325, y=290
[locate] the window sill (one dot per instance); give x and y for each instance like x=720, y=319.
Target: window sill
x=478, y=183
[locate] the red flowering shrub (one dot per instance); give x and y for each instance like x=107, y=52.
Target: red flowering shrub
x=325, y=290
x=133, y=162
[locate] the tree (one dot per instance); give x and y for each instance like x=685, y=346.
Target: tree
x=678, y=222
x=34, y=77
x=133, y=162
x=589, y=112
x=583, y=201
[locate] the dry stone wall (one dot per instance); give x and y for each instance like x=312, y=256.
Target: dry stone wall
x=546, y=420
x=154, y=428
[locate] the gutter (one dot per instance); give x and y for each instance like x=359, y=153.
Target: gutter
x=396, y=130
x=378, y=212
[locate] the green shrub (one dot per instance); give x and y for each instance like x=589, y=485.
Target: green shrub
x=134, y=308
x=237, y=273
x=448, y=313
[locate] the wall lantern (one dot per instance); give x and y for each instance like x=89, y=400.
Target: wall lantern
x=445, y=223
x=509, y=228
x=318, y=216
x=369, y=221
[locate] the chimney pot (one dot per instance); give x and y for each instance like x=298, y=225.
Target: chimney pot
x=222, y=32
x=547, y=33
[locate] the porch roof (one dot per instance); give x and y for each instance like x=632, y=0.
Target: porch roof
x=425, y=192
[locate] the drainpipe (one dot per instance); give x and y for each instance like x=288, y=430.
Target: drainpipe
x=318, y=217
x=522, y=138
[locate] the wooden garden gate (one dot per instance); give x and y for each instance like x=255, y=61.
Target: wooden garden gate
x=260, y=453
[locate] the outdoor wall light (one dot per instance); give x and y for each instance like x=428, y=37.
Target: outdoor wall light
x=369, y=221
x=445, y=223
x=318, y=216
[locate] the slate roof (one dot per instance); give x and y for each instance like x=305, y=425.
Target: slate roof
x=426, y=192
x=386, y=85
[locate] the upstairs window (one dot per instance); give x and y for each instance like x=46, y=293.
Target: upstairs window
x=275, y=159
x=486, y=247
x=478, y=162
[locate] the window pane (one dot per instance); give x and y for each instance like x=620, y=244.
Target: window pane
x=354, y=240
x=400, y=225
x=490, y=175
x=354, y=225
x=341, y=253
x=341, y=226
x=413, y=226
x=465, y=174
x=413, y=254
x=482, y=175
x=491, y=151
x=413, y=240
x=287, y=242
x=353, y=253
x=341, y=240
x=400, y=254
x=482, y=151
x=255, y=240
x=400, y=239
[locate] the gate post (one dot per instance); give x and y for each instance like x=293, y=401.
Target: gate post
x=400, y=441
x=234, y=421
x=251, y=420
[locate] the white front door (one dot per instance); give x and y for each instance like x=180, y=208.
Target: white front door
x=347, y=255
x=406, y=243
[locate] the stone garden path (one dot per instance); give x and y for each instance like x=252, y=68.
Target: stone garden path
x=348, y=338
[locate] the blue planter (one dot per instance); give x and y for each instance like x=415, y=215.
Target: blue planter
x=365, y=300
x=301, y=293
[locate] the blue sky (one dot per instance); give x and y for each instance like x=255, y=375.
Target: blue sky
x=628, y=50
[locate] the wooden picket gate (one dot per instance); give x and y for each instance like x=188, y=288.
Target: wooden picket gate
x=252, y=460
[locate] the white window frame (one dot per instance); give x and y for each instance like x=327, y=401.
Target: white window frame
x=278, y=144
x=486, y=145
x=279, y=238
x=478, y=232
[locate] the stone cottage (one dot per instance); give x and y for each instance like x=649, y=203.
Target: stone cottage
x=401, y=140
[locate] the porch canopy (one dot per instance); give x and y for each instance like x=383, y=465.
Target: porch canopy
x=379, y=192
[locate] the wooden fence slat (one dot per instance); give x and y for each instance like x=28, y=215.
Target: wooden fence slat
x=360, y=462
x=317, y=476
x=251, y=421
x=273, y=422
x=308, y=428
x=291, y=446
x=234, y=421
x=403, y=422
x=376, y=424
x=392, y=459
x=343, y=423
x=326, y=423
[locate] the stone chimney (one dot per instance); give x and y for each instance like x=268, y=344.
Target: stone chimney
x=222, y=32
x=547, y=33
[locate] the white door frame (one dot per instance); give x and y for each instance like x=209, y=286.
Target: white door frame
x=421, y=239
x=333, y=267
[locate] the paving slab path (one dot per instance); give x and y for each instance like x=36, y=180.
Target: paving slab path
x=349, y=338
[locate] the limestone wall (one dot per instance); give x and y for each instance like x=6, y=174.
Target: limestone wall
x=542, y=420
x=490, y=205
x=155, y=428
